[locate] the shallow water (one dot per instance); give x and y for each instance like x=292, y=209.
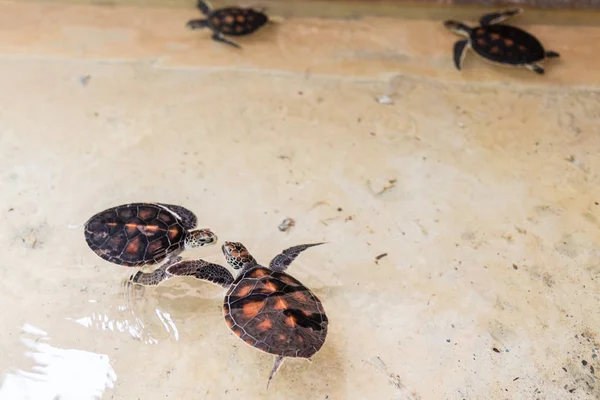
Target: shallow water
x=481, y=187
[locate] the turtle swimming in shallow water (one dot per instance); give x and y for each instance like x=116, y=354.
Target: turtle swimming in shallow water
x=500, y=44
x=232, y=21
x=144, y=233
x=267, y=308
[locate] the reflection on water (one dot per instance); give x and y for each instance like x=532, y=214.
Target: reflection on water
x=61, y=374
x=58, y=373
x=124, y=316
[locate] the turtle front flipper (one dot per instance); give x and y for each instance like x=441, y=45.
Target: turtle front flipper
x=278, y=363
x=535, y=67
x=283, y=260
x=217, y=37
x=204, y=7
x=155, y=277
x=552, y=54
x=202, y=270
x=494, y=18
x=460, y=51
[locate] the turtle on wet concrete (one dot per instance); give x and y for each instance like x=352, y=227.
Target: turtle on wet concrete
x=265, y=307
x=228, y=21
x=500, y=44
x=138, y=234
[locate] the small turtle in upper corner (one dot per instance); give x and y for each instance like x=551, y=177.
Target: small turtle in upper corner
x=232, y=21
x=137, y=234
x=267, y=308
x=500, y=44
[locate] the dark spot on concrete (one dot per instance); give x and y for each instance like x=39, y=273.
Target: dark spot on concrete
x=584, y=362
x=11, y=209
x=496, y=350
x=84, y=80
x=564, y=369
x=515, y=266
x=339, y=209
x=516, y=379
x=379, y=257
x=448, y=340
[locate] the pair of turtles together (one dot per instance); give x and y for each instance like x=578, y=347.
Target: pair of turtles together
x=264, y=306
x=494, y=42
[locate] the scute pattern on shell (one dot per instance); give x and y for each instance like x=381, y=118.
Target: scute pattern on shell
x=134, y=234
x=237, y=21
x=275, y=313
x=506, y=44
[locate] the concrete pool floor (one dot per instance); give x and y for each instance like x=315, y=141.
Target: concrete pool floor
x=481, y=186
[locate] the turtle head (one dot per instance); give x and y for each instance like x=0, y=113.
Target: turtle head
x=237, y=255
x=200, y=238
x=457, y=27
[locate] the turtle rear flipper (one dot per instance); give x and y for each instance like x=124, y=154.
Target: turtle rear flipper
x=276, y=365
x=202, y=270
x=217, y=37
x=537, y=68
x=281, y=261
x=496, y=17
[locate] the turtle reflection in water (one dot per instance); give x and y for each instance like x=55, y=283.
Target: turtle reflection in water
x=500, y=44
x=265, y=307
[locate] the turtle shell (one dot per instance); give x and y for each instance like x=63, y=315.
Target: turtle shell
x=236, y=21
x=135, y=234
x=506, y=45
x=275, y=313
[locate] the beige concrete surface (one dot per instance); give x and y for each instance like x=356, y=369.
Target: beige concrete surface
x=482, y=187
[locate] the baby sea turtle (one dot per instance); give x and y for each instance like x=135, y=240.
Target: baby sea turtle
x=267, y=308
x=500, y=44
x=232, y=21
x=144, y=233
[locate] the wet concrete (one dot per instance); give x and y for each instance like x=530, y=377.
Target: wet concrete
x=481, y=186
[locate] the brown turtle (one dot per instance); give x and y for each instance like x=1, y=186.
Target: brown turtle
x=232, y=21
x=267, y=308
x=500, y=44
x=144, y=233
